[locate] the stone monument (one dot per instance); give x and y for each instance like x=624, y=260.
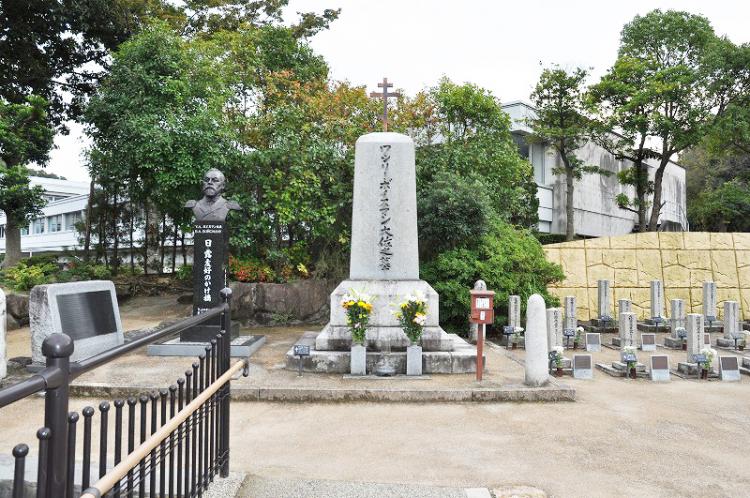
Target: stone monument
x=731, y=322
x=514, y=311
x=554, y=328
x=694, y=340
x=537, y=358
x=604, y=321
x=710, y=316
x=87, y=312
x=569, y=305
x=656, y=323
x=384, y=260
x=676, y=324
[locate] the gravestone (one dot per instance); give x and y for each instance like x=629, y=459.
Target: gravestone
x=676, y=321
x=210, y=255
x=660, y=368
x=695, y=342
x=648, y=342
x=593, y=342
x=554, y=328
x=537, y=358
x=623, y=306
x=583, y=366
x=628, y=325
x=87, y=312
x=729, y=368
x=3, y=329
x=657, y=299
x=384, y=259
x=731, y=322
x=514, y=311
x=571, y=322
x=604, y=298
x=709, y=306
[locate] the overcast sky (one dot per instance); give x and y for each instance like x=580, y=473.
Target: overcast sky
x=501, y=46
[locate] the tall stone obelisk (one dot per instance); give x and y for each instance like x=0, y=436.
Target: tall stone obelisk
x=384, y=250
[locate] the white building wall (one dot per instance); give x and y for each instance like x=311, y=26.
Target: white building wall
x=596, y=211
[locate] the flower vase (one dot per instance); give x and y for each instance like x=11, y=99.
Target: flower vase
x=558, y=372
x=358, y=360
x=513, y=345
x=684, y=346
x=633, y=373
x=741, y=347
x=704, y=373
x=414, y=360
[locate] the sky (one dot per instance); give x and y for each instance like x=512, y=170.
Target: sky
x=499, y=45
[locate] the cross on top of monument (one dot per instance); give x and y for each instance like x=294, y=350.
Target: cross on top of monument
x=385, y=95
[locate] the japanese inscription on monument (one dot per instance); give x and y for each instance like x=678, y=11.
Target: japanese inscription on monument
x=385, y=242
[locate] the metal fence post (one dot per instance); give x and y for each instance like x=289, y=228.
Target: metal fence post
x=226, y=327
x=57, y=348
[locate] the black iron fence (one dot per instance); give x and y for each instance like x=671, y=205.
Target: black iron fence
x=167, y=443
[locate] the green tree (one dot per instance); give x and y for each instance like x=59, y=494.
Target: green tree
x=462, y=129
x=25, y=137
x=670, y=83
x=721, y=209
x=561, y=121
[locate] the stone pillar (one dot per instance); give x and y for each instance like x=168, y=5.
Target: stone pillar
x=537, y=359
x=709, y=300
x=554, y=327
x=571, y=322
x=384, y=261
x=514, y=311
x=384, y=209
x=3, y=328
x=623, y=306
x=694, y=335
x=677, y=315
x=604, y=296
x=731, y=319
x=627, y=329
x=657, y=299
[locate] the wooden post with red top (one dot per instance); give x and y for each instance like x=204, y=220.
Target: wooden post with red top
x=482, y=313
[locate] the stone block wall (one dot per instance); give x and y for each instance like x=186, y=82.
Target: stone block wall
x=683, y=261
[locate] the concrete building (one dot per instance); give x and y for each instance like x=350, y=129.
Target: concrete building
x=596, y=212
x=55, y=230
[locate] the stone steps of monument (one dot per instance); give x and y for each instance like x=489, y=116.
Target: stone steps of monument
x=261, y=487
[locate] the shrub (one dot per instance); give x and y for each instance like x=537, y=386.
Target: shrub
x=510, y=260
x=23, y=277
x=184, y=272
x=250, y=270
x=88, y=271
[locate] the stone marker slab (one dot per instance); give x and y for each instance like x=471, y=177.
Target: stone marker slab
x=624, y=306
x=85, y=311
x=358, y=360
x=694, y=339
x=514, y=311
x=604, y=298
x=583, y=366
x=414, y=360
x=729, y=368
x=657, y=299
x=660, y=368
x=627, y=327
x=648, y=342
x=709, y=300
x=677, y=316
x=569, y=307
x=593, y=342
x=554, y=327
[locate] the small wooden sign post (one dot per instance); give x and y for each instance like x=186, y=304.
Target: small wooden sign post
x=482, y=313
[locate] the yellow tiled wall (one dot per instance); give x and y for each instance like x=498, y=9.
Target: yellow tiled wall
x=683, y=261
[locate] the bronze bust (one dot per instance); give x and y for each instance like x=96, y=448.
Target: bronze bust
x=212, y=207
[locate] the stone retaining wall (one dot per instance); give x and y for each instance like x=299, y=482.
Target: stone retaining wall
x=683, y=261
x=304, y=301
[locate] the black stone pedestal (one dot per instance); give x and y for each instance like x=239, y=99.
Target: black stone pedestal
x=204, y=333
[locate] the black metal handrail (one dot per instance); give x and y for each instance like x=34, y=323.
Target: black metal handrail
x=57, y=439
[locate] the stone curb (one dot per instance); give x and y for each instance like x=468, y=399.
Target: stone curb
x=511, y=393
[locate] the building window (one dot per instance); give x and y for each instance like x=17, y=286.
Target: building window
x=2, y=231
x=523, y=146
x=37, y=226
x=55, y=223
x=72, y=219
x=537, y=160
x=25, y=230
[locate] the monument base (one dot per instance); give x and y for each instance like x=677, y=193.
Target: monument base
x=461, y=360
x=384, y=329
x=617, y=369
x=694, y=370
x=725, y=343
x=653, y=328
x=600, y=326
x=204, y=333
x=241, y=347
x=673, y=342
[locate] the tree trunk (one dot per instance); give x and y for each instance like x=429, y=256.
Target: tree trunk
x=656, y=207
x=87, y=233
x=163, y=242
x=174, y=247
x=570, y=232
x=145, y=237
x=116, y=233
x=183, y=249
x=640, y=189
x=132, y=221
x=12, y=242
